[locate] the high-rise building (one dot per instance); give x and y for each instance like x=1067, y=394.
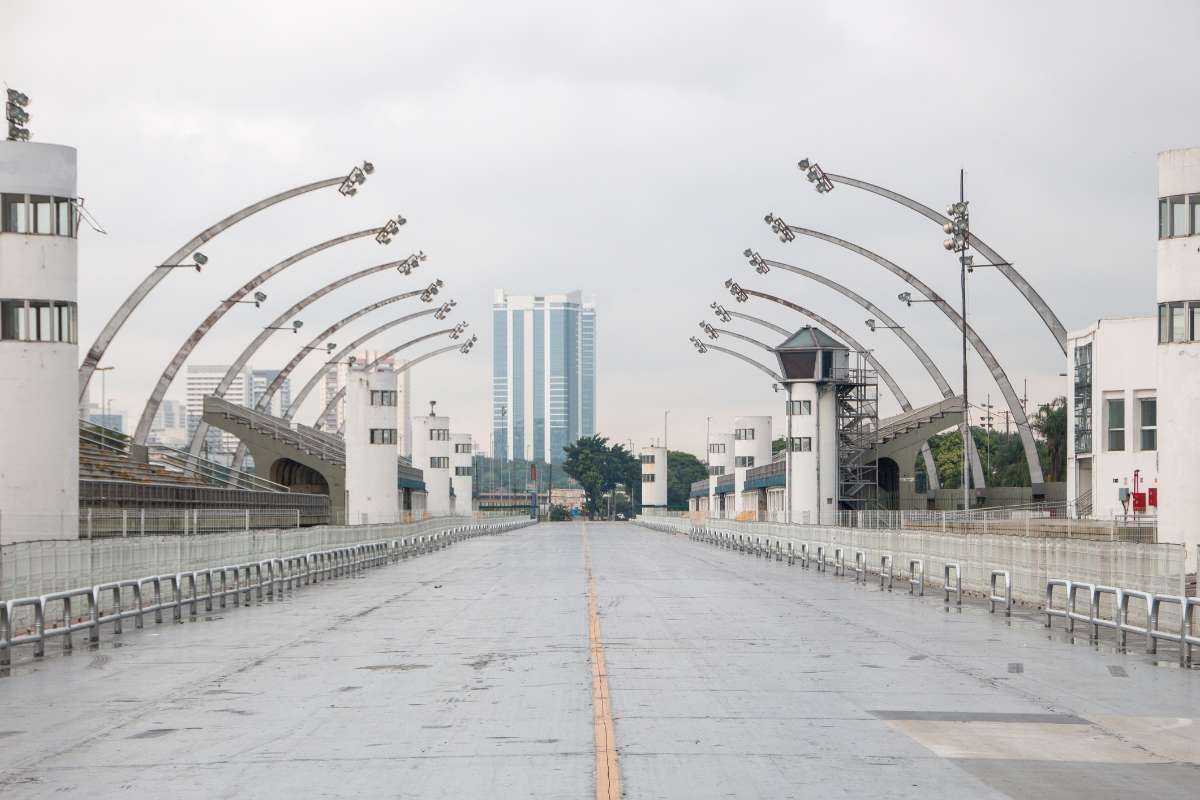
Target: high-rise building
x=543, y=374
x=280, y=400
x=202, y=379
x=170, y=424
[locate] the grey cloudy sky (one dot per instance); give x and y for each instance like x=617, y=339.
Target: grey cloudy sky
x=626, y=149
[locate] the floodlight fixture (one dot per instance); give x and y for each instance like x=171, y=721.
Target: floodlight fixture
x=431, y=290
x=259, y=298
x=389, y=229
x=815, y=175
x=356, y=177
x=736, y=291
x=458, y=329
x=721, y=312
x=699, y=345
x=756, y=261
x=780, y=228
x=444, y=311
x=17, y=116
x=710, y=330
x=468, y=344
x=905, y=297
x=294, y=327
x=198, y=261
x=406, y=266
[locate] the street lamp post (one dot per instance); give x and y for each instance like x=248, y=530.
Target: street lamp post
x=959, y=229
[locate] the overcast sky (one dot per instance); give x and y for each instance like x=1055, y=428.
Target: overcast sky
x=629, y=150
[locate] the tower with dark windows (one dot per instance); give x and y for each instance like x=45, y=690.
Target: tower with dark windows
x=39, y=358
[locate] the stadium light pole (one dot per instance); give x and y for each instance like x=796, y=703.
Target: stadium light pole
x=788, y=233
x=347, y=187
x=404, y=266
x=1040, y=306
x=196, y=336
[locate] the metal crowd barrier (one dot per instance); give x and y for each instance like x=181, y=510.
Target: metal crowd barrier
x=1005, y=598
x=269, y=577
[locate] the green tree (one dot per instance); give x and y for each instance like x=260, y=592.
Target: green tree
x=599, y=468
x=683, y=469
x=1050, y=422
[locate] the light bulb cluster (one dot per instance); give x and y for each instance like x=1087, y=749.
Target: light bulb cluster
x=431, y=290
x=459, y=329
x=356, y=178
x=958, y=228
x=406, y=266
x=710, y=330
x=389, y=229
x=780, y=228
x=756, y=261
x=699, y=345
x=815, y=175
x=722, y=312
x=468, y=344
x=736, y=291
x=444, y=311
x=17, y=116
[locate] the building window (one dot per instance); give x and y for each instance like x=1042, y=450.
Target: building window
x=716, y=469
x=383, y=397
x=716, y=447
x=463, y=447
x=1179, y=321
x=1179, y=331
x=383, y=435
x=646, y=458
x=744, y=434
x=647, y=477
x=1114, y=408
x=799, y=407
x=1148, y=423
x=743, y=461
x=1083, y=399
x=462, y=472
x=1178, y=216
x=439, y=462
x=439, y=434
x=801, y=444
x=38, y=321
x=39, y=213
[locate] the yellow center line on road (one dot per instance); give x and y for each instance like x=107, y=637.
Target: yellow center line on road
x=608, y=772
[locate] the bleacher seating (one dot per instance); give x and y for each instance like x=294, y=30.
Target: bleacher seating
x=104, y=464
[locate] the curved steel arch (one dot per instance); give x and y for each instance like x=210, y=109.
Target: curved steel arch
x=1017, y=279
x=270, y=330
x=333, y=401
x=774, y=375
x=264, y=401
x=745, y=338
x=123, y=312
x=998, y=375
x=155, y=399
x=297, y=400
x=763, y=265
x=897, y=392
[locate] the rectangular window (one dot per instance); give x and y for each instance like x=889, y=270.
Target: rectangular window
x=1164, y=323
x=1164, y=218
x=743, y=461
x=1148, y=415
x=1195, y=309
x=64, y=217
x=40, y=214
x=12, y=319
x=383, y=397
x=462, y=472
x=41, y=327
x=1114, y=408
x=648, y=458
x=439, y=434
x=801, y=444
x=647, y=477
x=744, y=434
x=1179, y=216
x=799, y=407
x=1179, y=322
x=12, y=213
x=462, y=447
x=383, y=435
x=716, y=447
x=1194, y=203
x=716, y=469
x=439, y=462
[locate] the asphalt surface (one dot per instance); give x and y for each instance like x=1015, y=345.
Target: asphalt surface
x=467, y=674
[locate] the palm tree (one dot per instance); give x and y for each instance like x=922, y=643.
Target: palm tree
x=1050, y=422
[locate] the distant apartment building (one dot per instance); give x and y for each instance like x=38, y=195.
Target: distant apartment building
x=170, y=426
x=202, y=379
x=282, y=397
x=543, y=374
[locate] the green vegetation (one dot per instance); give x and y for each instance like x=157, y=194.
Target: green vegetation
x=559, y=513
x=599, y=467
x=683, y=469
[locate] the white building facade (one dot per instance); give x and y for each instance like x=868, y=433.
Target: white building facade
x=654, y=476
x=720, y=462
x=372, y=439
x=751, y=448
x=431, y=454
x=462, y=467
x=39, y=351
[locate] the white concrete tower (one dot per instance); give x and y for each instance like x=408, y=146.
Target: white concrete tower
x=654, y=476
x=431, y=454
x=720, y=462
x=812, y=362
x=462, y=462
x=372, y=480
x=1178, y=297
x=751, y=448
x=39, y=351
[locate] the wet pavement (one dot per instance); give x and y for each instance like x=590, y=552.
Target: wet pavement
x=467, y=674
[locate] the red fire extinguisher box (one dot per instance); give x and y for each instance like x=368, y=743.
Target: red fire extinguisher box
x=1153, y=490
x=1139, y=502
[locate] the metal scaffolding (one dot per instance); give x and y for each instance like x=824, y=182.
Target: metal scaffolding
x=857, y=420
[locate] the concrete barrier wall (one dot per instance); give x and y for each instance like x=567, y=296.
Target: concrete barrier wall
x=29, y=569
x=1154, y=568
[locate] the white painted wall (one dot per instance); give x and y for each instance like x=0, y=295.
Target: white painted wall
x=1178, y=262
x=39, y=388
x=654, y=489
x=371, y=475
x=758, y=447
x=723, y=459
x=462, y=457
x=425, y=449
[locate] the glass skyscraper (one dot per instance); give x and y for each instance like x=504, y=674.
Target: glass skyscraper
x=543, y=374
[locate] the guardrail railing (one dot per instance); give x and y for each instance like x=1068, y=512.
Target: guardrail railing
x=236, y=583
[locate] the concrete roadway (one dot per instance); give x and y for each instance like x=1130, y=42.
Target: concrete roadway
x=466, y=674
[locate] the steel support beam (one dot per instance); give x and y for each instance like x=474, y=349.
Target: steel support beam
x=109, y=332
x=270, y=330
x=764, y=265
x=775, y=376
x=1006, y=268
x=142, y=432
x=1010, y=396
